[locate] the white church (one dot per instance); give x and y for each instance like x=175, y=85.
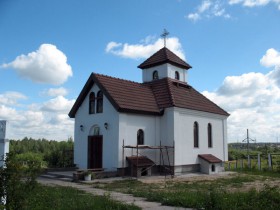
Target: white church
x=161, y=124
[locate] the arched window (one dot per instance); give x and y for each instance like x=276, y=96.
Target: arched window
x=140, y=137
x=99, y=107
x=177, y=75
x=91, y=103
x=195, y=134
x=155, y=75
x=209, y=129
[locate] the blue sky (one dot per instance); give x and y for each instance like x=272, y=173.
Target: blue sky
x=48, y=49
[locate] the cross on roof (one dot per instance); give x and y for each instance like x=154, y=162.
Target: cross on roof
x=164, y=35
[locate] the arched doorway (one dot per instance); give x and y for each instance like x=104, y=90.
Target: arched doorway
x=95, y=148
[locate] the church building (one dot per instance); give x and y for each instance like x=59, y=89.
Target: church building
x=160, y=124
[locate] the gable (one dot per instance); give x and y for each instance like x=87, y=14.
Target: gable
x=125, y=96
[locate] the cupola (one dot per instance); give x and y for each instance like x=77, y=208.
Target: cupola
x=164, y=63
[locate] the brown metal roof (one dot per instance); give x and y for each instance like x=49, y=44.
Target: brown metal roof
x=140, y=161
x=170, y=92
x=162, y=56
x=210, y=158
x=147, y=98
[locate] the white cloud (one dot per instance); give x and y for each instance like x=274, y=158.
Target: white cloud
x=209, y=9
x=254, y=3
x=137, y=51
x=112, y=45
x=193, y=16
x=46, y=65
x=38, y=120
x=53, y=92
x=271, y=58
x=58, y=104
x=253, y=100
x=11, y=98
x=204, y=6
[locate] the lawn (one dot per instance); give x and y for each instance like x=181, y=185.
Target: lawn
x=46, y=197
x=241, y=191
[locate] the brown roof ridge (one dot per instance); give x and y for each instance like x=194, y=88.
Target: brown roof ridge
x=125, y=80
x=165, y=79
x=212, y=102
x=170, y=92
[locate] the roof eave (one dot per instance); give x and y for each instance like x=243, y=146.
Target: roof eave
x=186, y=67
x=81, y=97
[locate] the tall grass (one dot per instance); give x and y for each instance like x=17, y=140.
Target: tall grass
x=215, y=194
x=67, y=198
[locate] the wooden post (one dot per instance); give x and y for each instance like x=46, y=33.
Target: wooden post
x=242, y=164
x=249, y=162
x=236, y=164
x=137, y=161
x=228, y=165
x=173, y=157
x=259, y=161
x=123, y=159
x=269, y=162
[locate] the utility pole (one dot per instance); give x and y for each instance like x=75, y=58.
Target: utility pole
x=247, y=140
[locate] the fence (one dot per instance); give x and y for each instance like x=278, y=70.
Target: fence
x=260, y=162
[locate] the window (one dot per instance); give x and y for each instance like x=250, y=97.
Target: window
x=177, y=75
x=99, y=107
x=91, y=103
x=209, y=135
x=155, y=75
x=195, y=134
x=213, y=168
x=140, y=137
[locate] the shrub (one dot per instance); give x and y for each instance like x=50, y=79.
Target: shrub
x=17, y=181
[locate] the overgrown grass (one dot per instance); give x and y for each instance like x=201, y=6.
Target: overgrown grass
x=214, y=194
x=265, y=173
x=45, y=198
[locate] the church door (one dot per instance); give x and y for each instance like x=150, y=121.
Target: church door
x=95, y=144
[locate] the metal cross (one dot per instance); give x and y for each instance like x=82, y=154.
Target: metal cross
x=164, y=35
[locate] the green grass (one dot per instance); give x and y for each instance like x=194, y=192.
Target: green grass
x=46, y=197
x=205, y=194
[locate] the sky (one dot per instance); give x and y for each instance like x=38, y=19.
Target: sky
x=48, y=49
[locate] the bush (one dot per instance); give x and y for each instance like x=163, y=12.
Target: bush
x=17, y=181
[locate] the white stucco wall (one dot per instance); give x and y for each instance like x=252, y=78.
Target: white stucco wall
x=185, y=152
x=110, y=136
x=129, y=125
x=206, y=167
x=164, y=70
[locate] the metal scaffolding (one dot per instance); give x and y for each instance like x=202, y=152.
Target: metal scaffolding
x=165, y=165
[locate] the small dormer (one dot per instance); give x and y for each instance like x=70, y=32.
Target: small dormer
x=164, y=63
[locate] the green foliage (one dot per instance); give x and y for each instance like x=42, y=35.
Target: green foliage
x=68, y=198
x=53, y=154
x=17, y=181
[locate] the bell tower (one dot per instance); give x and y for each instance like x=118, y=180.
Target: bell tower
x=164, y=63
